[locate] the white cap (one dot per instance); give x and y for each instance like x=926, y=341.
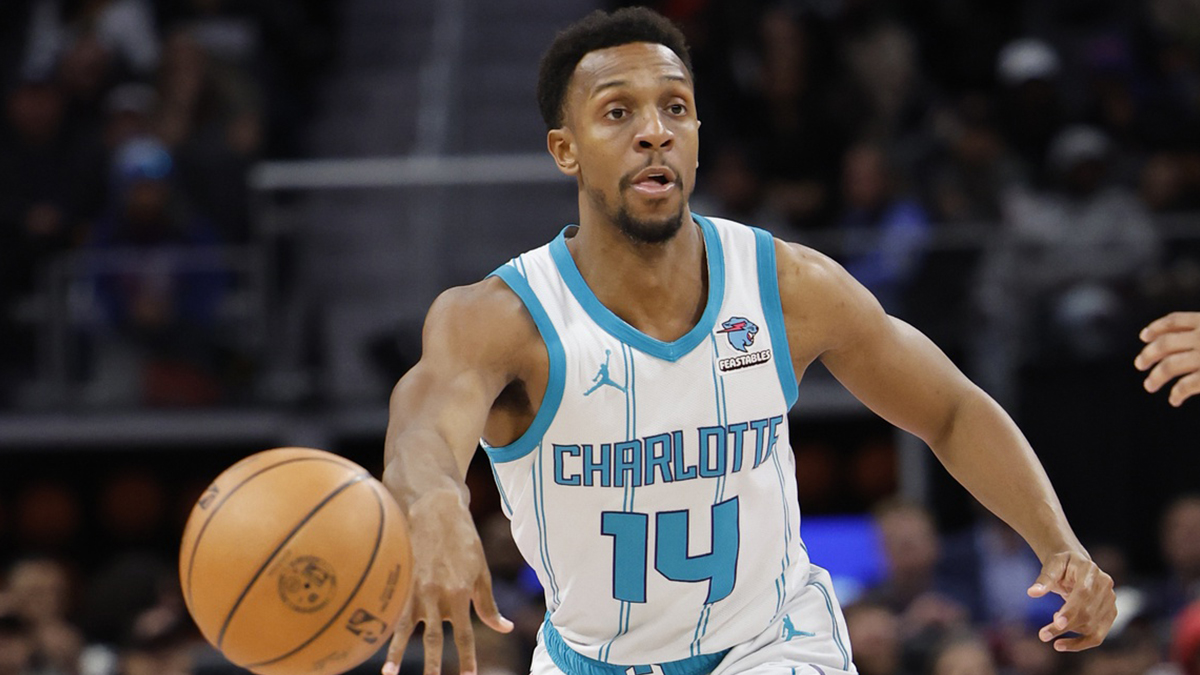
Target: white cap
x=1026, y=59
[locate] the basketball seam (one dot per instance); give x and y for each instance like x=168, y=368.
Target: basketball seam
x=349, y=598
x=212, y=514
x=266, y=563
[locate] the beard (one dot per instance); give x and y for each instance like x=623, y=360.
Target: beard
x=646, y=231
x=641, y=230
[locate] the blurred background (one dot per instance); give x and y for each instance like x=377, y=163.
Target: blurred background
x=221, y=224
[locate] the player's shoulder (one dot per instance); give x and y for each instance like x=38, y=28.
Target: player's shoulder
x=484, y=316
x=805, y=270
x=820, y=299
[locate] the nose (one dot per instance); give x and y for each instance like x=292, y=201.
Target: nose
x=654, y=135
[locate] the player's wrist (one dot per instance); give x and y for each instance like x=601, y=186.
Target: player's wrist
x=448, y=496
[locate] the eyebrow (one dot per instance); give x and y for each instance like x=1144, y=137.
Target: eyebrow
x=611, y=84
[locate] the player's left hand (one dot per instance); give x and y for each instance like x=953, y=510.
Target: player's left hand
x=1090, y=605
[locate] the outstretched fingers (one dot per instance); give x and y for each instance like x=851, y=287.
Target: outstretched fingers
x=485, y=605
x=1185, y=388
x=464, y=639
x=1163, y=346
x=1171, y=367
x=433, y=641
x=399, y=643
x=1173, y=322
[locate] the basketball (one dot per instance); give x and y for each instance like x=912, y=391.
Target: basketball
x=296, y=560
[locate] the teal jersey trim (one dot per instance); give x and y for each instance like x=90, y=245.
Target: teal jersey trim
x=558, y=371
x=768, y=288
x=616, y=326
x=574, y=663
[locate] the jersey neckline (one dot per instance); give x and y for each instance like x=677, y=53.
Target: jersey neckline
x=618, y=328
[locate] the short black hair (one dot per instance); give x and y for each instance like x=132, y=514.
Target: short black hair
x=600, y=30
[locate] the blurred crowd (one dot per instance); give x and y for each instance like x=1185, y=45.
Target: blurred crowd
x=1024, y=167
x=941, y=603
x=127, y=131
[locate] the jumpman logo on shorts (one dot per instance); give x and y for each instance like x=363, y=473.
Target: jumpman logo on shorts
x=790, y=632
x=602, y=378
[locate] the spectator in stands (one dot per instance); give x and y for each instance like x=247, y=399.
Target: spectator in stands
x=1162, y=184
x=1179, y=535
x=1065, y=268
x=804, y=115
x=129, y=110
x=160, y=644
x=962, y=654
x=124, y=29
x=881, y=60
x=977, y=169
x=41, y=174
x=210, y=118
x=732, y=188
x=273, y=44
x=39, y=590
x=164, y=306
x=1030, y=107
x=1185, y=640
x=875, y=633
x=16, y=645
x=44, y=176
x=1023, y=653
x=884, y=231
x=912, y=588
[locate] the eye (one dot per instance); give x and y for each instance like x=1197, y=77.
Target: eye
x=677, y=109
x=616, y=113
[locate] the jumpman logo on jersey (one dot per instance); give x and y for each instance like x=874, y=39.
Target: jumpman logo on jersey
x=790, y=632
x=602, y=378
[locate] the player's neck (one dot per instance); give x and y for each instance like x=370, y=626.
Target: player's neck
x=660, y=289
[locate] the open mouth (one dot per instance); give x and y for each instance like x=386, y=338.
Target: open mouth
x=654, y=180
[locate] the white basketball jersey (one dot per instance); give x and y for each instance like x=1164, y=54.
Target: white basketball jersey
x=654, y=492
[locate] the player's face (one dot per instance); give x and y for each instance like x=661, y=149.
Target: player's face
x=633, y=133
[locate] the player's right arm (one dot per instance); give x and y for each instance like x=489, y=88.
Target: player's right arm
x=472, y=347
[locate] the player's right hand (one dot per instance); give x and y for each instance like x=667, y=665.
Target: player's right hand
x=449, y=573
x=1172, y=350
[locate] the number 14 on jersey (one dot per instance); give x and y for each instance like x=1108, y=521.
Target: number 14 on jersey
x=630, y=533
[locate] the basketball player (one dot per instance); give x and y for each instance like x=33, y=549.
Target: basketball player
x=631, y=381
x=1172, y=350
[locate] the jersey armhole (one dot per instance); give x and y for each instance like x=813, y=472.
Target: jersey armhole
x=768, y=289
x=555, y=382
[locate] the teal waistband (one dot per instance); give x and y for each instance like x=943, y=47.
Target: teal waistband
x=572, y=662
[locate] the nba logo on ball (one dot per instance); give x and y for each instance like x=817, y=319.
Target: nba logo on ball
x=296, y=561
x=364, y=625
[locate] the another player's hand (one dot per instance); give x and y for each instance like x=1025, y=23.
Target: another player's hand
x=449, y=572
x=1090, y=607
x=1172, y=350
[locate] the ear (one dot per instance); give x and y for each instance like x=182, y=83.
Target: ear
x=561, y=144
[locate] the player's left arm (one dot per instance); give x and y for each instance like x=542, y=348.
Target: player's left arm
x=901, y=375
